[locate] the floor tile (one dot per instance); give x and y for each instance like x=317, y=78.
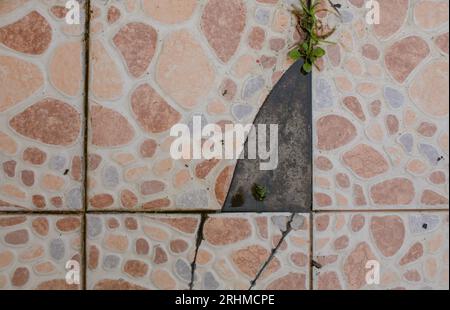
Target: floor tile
x=41, y=107
x=410, y=248
x=40, y=252
x=236, y=247
x=380, y=112
x=140, y=251
x=151, y=69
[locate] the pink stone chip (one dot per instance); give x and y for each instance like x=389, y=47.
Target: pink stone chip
x=152, y=112
x=109, y=128
x=66, y=68
x=106, y=82
x=224, y=40
x=49, y=121
x=256, y=38
x=398, y=191
x=431, y=14
x=169, y=11
x=365, y=161
x=7, y=6
x=431, y=198
x=423, y=89
x=334, y=131
x=137, y=43
x=223, y=183
x=404, y=56
x=113, y=15
x=355, y=265
x=353, y=104
x=393, y=14
x=220, y=231
x=18, y=81
x=31, y=34
x=442, y=42
x=184, y=71
x=388, y=233
x=34, y=156
x=413, y=254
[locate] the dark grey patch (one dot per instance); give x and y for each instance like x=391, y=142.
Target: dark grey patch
x=289, y=185
x=183, y=270
x=111, y=262
x=57, y=249
x=94, y=226
x=210, y=282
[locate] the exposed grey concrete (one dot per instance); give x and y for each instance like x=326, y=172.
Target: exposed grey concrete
x=289, y=187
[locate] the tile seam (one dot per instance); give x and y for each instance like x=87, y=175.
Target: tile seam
x=87, y=25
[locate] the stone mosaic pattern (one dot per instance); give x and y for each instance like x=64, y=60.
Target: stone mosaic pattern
x=41, y=107
x=236, y=250
x=140, y=251
x=412, y=249
x=381, y=109
x=155, y=63
x=34, y=250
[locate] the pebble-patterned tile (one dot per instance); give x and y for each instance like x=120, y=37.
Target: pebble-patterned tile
x=41, y=107
x=410, y=248
x=161, y=63
x=292, y=257
x=236, y=249
x=36, y=252
x=380, y=110
x=140, y=251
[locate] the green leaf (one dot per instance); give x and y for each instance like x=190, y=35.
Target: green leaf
x=295, y=54
x=318, y=52
x=259, y=192
x=307, y=67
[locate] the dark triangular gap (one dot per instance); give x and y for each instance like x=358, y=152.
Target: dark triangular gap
x=289, y=187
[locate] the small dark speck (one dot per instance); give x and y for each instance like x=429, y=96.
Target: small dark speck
x=225, y=92
x=425, y=226
x=66, y=171
x=186, y=165
x=440, y=158
x=316, y=264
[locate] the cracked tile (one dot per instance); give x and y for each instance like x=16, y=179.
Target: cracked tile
x=293, y=258
x=235, y=248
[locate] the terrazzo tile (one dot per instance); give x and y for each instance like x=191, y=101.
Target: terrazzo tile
x=380, y=112
x=36, y=250
x=410, y=249
x=236, y=248
x=140, y=251
x=41, y=107
x=162, y=63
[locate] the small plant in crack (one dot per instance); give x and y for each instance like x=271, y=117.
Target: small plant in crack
x=259, y=192
x=314, y=30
